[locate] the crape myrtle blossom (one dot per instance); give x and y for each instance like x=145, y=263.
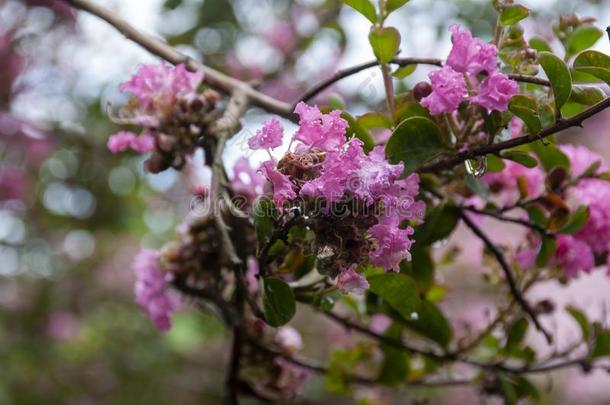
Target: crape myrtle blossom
x=494, y=92
x=513, y=180
x=577, y=253
x=151, y=289
x=470, y=55
x=326, y=166
x=593, y=193
x=448, y=91
x=468, y=58
x=269, y=136
x=173, y=115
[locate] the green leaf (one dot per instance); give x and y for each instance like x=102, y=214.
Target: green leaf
x=526, y=108
x=515, y=335
x=263, y=212
x=392, y=5
x=559, y=76
x=547, y=250
x=375, y=120
x=523, y=158
x=395, y=367
x=438, y=224
x=581, y=320
x=404, y=71
x=409, y=109
x=431, y=323
x=415, y=141
x=602, y=345
x=537, y=215
x=577, y=220
x=385, y=42
x=398, y=290
x=587, y=95
x=513, y=14
x=550, y=156
x=356, y=129
x=494, y=164
x=420, y=268
x=593, y=63
x=582, y=38
x=279, y=304
x=364, y=7
x=540, y=44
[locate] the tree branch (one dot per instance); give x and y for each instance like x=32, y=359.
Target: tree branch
x=343, y=73
x=157, y=47
x=507, y=273
x=500, y=217
x=560, y=125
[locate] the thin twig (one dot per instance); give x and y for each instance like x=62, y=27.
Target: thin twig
x=510, y=278
x=560, y=125
x=500, y=217
x=157, y=47
x=352, y=70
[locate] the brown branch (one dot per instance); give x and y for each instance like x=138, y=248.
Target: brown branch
x=518, y=221
x=560, y=125
x=319, y=369
x=507, y=273
x=157, y=47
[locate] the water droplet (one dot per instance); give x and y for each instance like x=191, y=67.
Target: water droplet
x=414, y=316
x=477, y=166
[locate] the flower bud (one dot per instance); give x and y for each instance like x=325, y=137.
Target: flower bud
x=421, y=90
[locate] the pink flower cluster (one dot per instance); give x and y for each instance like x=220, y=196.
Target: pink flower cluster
x=172, y=114
x=327, y=167
x=506, y=183
x=594, y=194
x=157, y=87
x=151, y=289
x=468, y=58
x=576, y=253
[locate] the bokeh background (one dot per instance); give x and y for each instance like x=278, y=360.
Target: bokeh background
x=72, y=215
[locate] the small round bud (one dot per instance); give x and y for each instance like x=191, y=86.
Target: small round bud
x=421, y=90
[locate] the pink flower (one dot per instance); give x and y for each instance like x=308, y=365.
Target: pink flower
x=157, y=86
x=379, y=323
x=495, y=92
x=595, y=194
x=143, y=143
x=283, y=189
x=282, y=36
x=470, y=55
x=581, y=158
x=448, y=91
x=393, y=246
x=247, y=182
x=120, y=141
x=289, y=339
x=151, y=289
x=507, y=181
x=516, y=127
x=349, y=281
x=316, y=130
x=270, y=136
x=573, y=255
